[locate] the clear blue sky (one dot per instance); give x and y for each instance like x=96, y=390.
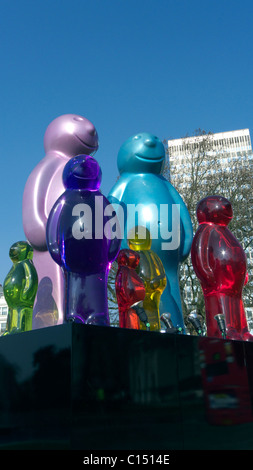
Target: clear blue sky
x=161, y=66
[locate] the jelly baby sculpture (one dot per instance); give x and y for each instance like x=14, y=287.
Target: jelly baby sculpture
x=65, y=137
x=80, y=240
x=220, y=264
x=141, y=188
x=151, y=271
x=129, y=287
x=20, y=287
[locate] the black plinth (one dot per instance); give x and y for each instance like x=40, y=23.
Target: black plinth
x=88, y=387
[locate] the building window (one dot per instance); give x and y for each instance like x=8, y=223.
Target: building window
x=3, y=310
x=2, y=327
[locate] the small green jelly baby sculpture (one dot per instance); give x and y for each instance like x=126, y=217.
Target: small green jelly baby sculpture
x=151, y=271
x=20, y=288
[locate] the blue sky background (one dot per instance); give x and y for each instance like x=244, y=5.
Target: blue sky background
x=161, y=66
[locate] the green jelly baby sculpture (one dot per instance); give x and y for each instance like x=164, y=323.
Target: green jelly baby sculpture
x=20, y=288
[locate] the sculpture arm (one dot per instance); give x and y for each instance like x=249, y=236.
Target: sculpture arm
x=34, y=202
x=185, y=221
x=52, y=230
x=31, y=280
x=117, y=192
x=114, y=241
x=116, y=197
x=158, y=272
x=114, y=249
x=200, y=253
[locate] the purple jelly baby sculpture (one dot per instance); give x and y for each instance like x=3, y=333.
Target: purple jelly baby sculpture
x=82, y=242
x=66, y=136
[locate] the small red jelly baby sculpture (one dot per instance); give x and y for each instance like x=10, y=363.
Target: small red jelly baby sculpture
x=220, y=264
x=129, y=289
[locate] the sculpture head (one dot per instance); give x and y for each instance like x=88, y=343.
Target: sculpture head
x=20, y=251
x=71, y=135
x=214, y=209
x=142, y=153
x=82, y=172
x=128, y=258
x=138, y=238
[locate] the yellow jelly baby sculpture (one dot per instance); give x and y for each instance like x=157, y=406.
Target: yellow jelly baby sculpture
x=151, y=271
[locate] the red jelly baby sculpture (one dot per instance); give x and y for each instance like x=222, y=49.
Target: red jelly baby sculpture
x=129, y=287
x=220, y=264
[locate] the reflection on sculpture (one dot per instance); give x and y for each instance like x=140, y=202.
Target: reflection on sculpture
x=220, y=265
x=20, y=287
x=130, y=289
x=65, y=137
x=46, y=308
x=151, y=271
x=167, y=323
x=195, y=321
x=225, y=382
x=140, y=162
x=83, y=253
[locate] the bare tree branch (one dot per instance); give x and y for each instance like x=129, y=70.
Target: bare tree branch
x=206, y=170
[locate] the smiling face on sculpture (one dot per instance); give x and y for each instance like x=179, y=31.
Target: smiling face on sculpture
x=82, y=172
x=139, y=239
x=20, y=251
x=71, y=135
x=142, y=153
x=128, y=258
x=214, y=209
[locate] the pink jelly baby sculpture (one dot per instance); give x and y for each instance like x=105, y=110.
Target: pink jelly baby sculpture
x=220, y=264
x=65, y=137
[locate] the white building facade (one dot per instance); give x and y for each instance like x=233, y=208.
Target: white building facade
x=3, y=311
x=230, y=142
x=231, y=148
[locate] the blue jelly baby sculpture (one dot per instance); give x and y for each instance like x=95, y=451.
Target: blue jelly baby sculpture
x=81, y=240
x=20, y=288
x=142, y=196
